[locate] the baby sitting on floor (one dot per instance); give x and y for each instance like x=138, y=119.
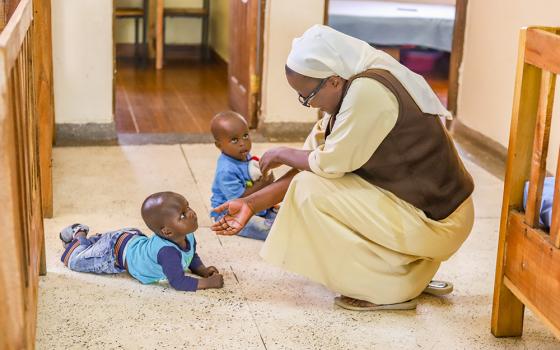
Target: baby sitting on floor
x=237, y=173
x=165, y=255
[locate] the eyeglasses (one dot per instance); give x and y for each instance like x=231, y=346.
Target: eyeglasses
x=305, y=100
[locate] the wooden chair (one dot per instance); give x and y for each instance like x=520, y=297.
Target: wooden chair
x=192, y=12
x=136, y=13
x=528, y=262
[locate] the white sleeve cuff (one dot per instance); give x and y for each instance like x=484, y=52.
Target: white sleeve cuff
x=316, y=169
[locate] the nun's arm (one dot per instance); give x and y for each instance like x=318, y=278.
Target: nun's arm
x=297, y=158
x=368, y=113
x=271, y=194
x=294, y=158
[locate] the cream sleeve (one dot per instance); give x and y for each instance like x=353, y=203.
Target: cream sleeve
x=368, y=113
x=317, y=135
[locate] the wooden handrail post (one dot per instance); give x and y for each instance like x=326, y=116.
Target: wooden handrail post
x=44, y=100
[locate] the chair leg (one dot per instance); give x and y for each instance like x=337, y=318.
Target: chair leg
x=163, y=29
x=144, y=45
x=136, y=35
x=205, y=24
x=145, y=32
x=205, y=46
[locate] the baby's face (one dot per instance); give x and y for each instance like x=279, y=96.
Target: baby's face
x=235, y=140
x=181, y=219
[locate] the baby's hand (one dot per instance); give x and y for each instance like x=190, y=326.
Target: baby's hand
x=204, y=271
x=210, y=270
x=269, y=178
x=214, y=281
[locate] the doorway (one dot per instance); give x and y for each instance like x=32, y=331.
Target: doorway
x=178, y=100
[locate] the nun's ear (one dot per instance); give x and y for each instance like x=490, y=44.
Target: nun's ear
x=336, y=81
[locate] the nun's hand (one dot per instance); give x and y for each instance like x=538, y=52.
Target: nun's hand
x=238, y=214
x=271, y=159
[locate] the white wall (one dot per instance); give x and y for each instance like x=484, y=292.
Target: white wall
x=83, y=60
x=489, y=64
x=285, y=20
x=219, y=27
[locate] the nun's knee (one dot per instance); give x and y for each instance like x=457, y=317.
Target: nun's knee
x=305, y=181
x=307, y=187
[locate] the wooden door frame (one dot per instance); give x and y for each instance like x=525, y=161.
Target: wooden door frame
x=259, y=64
x=456, y=54
x=456, y=51
x=253, y=92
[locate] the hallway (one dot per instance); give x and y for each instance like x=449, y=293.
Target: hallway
x=181, y=98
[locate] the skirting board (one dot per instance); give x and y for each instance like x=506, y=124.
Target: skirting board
x=480, y=149
x=172, y=52
x=285, y=131
x=472, y=145
x=173, y=139
x=85, y=134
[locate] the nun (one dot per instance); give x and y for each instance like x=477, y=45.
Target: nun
x=378, y=197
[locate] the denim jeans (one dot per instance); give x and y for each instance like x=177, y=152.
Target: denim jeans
x=96, y=253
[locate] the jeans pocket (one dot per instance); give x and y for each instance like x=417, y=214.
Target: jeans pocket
x=94, y=259
x=96, y=251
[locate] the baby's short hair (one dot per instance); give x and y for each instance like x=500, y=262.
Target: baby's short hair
x=154, y=209
x=220, y=120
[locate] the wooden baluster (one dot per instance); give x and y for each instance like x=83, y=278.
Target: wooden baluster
x=540, y=148
x=555, y=226
x=507, y=309
x=22, y=227
x=43, y=96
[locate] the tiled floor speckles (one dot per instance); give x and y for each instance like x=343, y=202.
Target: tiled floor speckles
x=260, y=307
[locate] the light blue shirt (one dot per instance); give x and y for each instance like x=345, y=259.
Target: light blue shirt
x=545, y=217
x=142, y=257
x=230, y=181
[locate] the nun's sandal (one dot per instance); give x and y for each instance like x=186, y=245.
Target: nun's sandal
x=347, y=304
x=439, y=288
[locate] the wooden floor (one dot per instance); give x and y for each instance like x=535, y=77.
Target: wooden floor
x=181, y=98
x=440, y=86
x=184, y=95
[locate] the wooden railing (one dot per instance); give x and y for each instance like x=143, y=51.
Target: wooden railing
x=528, y=264
x=7, y=9
x=21, y=224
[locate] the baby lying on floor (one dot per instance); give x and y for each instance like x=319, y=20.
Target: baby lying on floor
x=165, y=255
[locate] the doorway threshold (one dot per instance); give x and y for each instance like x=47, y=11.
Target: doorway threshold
x=174, y=138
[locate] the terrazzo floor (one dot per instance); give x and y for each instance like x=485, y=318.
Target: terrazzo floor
x=260, y=306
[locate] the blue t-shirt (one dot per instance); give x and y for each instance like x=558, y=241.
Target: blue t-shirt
x=230, y=181
x=152, y=259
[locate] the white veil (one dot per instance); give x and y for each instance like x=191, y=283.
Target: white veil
x=322, y=51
